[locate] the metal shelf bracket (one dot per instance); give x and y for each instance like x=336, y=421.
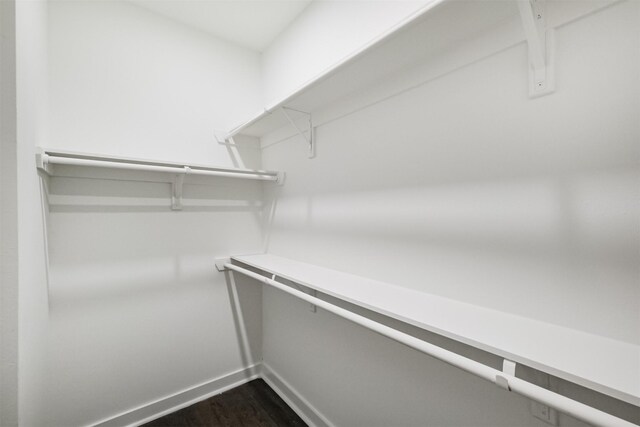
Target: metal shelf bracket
x=223, y=138
x=220, y=262
x=176, y=189
x=541, y=47
x=509, y=368
x=220, y=266
x=312, y=307
x=306, y=134
x=41, y=161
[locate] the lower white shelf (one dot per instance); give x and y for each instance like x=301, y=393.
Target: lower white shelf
x=599, y=363
x=45, y=158
x=129, y=169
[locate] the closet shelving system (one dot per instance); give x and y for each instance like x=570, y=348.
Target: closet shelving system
x=593, y=361
x=599, y=363
x=172, y=172
x=596, y=362
x=436, y=28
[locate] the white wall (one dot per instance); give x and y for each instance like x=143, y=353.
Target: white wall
x=138, y=311
x=534, y=217
x=325, y=33
x=31, y=86
x=125, y=80
x=8, y=220
x=524, y=205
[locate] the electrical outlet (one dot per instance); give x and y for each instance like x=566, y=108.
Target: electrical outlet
x=544, y=413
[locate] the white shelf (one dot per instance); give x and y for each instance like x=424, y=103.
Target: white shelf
x=95, y=166
x=433, y=28
x=132, y=163
x=439, y=26
x=602, y=364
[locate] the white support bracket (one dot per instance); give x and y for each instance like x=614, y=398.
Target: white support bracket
x=226, y=138
x=220, y=266
x=509, y=368
x=312, y=307
x=308, y=134
x=280, y=178
x=176, y=189
x=41, y=161
x=223, y=138
x=220, y=262
x=541, y=47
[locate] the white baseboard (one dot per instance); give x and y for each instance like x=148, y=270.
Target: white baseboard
x=166, y=405
x=295, y=400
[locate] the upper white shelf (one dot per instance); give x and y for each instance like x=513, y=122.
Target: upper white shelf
x=439, y=26
x=605, y=365
x=435, y=26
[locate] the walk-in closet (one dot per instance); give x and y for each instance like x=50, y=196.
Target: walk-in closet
x=323, y=213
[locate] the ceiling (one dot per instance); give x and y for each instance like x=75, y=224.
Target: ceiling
x=253, y=24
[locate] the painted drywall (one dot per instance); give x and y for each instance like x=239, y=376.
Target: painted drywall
x=138, y=312
x=126, y=80
x=325, y=33
x=465, y=187
x=253, y=25
x=31, y=107
x=22, y=272
x=8, y=221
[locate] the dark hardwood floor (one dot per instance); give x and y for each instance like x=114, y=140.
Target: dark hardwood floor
x=251, y=405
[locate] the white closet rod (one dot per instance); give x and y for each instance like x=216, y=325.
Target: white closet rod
x=561, y=403
x=114, y=164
